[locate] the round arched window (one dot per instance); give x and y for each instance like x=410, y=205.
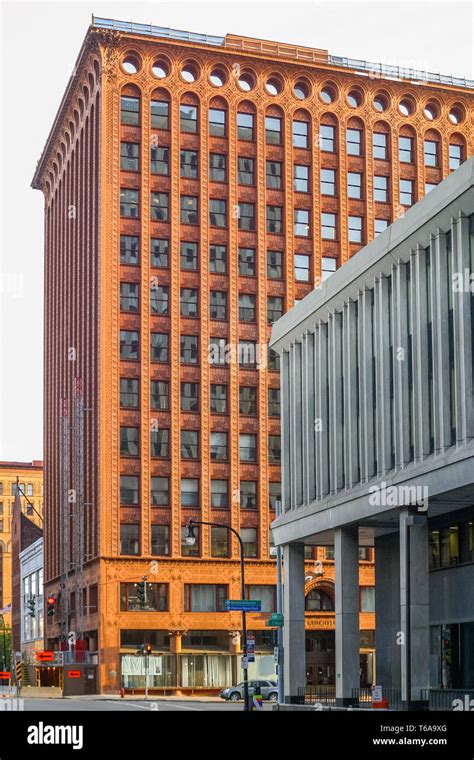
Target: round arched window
x=318, y=601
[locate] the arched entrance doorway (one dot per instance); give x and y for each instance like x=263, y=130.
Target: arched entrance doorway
x=320, y=634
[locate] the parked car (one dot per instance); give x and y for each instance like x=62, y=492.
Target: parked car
x=268, y=690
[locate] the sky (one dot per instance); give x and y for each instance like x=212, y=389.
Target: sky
x=39, y=45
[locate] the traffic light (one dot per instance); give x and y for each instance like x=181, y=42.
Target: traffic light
x=141, y=593
x=31, y=605
x=51, y=606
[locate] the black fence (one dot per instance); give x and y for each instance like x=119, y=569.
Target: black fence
x=314, y=695
x=449, y=699
x=363, y=698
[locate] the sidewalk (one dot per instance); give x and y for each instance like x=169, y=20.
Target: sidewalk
x=151, y=698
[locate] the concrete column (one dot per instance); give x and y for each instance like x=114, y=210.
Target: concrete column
x=346, y=551
x=293, y=613
x=414, y=607
x=387, y=611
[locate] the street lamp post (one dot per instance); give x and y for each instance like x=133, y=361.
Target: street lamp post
x=191, y=540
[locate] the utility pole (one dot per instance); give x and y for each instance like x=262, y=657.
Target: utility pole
x=281, y=690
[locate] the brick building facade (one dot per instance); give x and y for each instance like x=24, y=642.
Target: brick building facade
x=195, y=188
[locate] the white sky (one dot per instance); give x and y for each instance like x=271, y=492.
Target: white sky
x=39, y=45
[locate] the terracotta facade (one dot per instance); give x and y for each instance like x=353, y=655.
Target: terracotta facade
x=81, y=177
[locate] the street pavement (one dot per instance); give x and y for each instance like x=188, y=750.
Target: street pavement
x=132, y=705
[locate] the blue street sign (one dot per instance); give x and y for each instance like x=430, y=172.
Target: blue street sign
x=243, y=605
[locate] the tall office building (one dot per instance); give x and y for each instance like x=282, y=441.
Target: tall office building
x=195, y=188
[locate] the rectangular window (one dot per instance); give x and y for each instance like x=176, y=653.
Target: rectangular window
x=189, y=397
x=355, y=229
x=159, y=443
x=367, y=599
x=247, y=447
x=129, y=296
x=379, y=226
x=327, y=137
x=328, y=181
x=159, y=299
x=272, y=130
x=354, y=142
x=246, y=218
x=249, y=540
x=219, y=494
x=274, y=494
x=274, y=308
x=248, y=494
x=275, y=220
x=186, y=549
x=328, y=266
x=301, y=178
x=455, y=156
x=247, y=261
x=217, y=258
x=159, y=250
x=273, y=175
x=189, y=349
x=159, y=160
x=379, y=143
x=429, y=186
x=129, y=156
x=246, y=170
x=130, y=110
x=129, y=441
x=406, y=192
x=188, y=255
x=189, y=444
x=247, y=353
x=274, y=448
x=217, y=213
x=154, y=597
x=275, y=265
x=302, y=263
x=300, y=134
x=159, y=207
x=247, y=305
x=129, y=249
x=217, y=167
x=381, y=189
x=265, y=594
x=160, y=491
x=245, y=126
x=189, y=209
x=431, y=153
x=354, y=185
x=188, y=118
x=405, y=150
x=160, y=540
x=129, y=490
x=159, y=394
x=189, y=492
x=219, y=541
x=218, y=305
x=218, y=447
x=188, y=302
x=247, y=400
x=128, y=393
x=204, y=598
x=189, y=164
x=218, y=399
x=301, y=222
x=217, y=350
x=128, y=345
x=273, y=360
x=159, y=343
x=217, y=122
x=129, y=539
x=129, y=203
x=328, y=226
x=159, y=110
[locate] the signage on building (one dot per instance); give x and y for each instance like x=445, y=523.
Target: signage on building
x=243, y=605
x=5, y=674
x=251, y=648
x=44, y=656
x=376, y=693
x=73, y=673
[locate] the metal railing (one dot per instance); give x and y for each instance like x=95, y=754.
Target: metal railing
x=156, y=31
x=314, y=695
x=399, y=72
x=447, y=700
x=363, y=697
